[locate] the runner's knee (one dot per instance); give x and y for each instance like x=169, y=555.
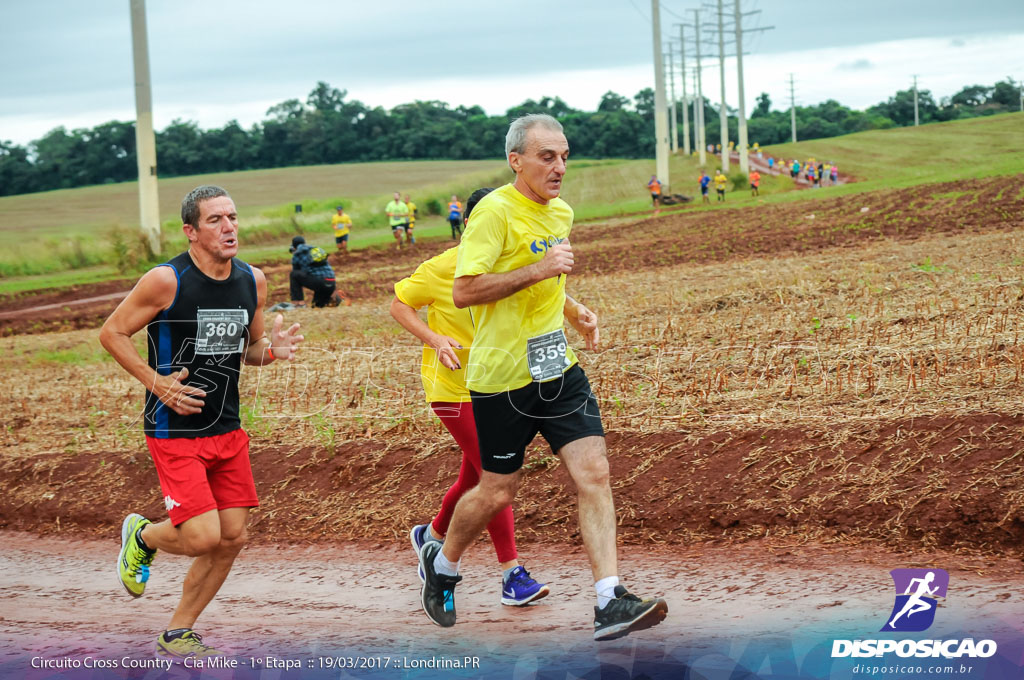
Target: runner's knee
x=200, y=543
x=498, y=490
x=590, y=469
x=233, y=541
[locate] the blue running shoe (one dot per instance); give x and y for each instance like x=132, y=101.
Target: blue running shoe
x=519, y=589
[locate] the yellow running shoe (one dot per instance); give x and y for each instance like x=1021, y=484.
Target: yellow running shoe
x=134, y=560
x=188, y=645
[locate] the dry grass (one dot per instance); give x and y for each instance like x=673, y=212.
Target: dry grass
x=836, y=336
x=786, y=387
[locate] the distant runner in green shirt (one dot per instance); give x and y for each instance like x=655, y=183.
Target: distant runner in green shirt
x=398, y=218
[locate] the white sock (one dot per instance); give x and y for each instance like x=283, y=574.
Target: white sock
x=605, y=589
x=443, y=566
x=428, y=534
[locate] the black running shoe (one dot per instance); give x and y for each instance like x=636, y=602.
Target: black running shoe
x=627, y=613
x=438, y=593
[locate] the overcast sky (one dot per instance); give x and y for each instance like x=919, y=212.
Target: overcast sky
x=67, y=62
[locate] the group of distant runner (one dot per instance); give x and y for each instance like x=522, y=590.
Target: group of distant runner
x=497, y=369
x=816, y=174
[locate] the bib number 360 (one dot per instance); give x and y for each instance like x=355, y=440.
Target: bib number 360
x=545, y=355
x=221, y=331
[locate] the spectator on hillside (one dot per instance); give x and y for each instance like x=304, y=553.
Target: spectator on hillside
x=834, y=174
x=310, y=270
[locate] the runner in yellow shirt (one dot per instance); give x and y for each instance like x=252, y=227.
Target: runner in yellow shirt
x=720, y=182
x=342, y=224
x=447, y=336
x=411, y=224
x=523, y=377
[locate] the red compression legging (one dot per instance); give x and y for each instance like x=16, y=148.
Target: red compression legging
x=458, y=418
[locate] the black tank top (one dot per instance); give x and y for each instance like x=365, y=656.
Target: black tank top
x=205, y=330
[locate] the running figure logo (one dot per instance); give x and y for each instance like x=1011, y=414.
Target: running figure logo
x=917, y=594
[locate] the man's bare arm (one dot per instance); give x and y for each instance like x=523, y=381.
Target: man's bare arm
x=153, y=293
x=282, y=343
x=483, y=288
x=442, y=344
x=583, y=320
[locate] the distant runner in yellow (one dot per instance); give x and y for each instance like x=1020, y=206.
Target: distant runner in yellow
x=720, y=182
x=411, y=224
x=341, y=223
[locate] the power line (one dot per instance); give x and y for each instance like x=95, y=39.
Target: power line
x=640, y=12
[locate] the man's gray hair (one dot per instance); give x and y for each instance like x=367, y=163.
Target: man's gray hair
x=515, y=140
x=190, y=204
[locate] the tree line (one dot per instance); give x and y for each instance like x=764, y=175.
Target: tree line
x=328, y=128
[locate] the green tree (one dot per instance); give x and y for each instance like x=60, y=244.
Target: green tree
x=764, y=106
x=611, y=101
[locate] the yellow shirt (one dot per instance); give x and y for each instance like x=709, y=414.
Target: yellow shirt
x=430, y=286
x=341, y=224
x=412, y=213
x=720, y=181
x=507, y=231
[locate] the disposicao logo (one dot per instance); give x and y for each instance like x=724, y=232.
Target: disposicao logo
x=917, y=594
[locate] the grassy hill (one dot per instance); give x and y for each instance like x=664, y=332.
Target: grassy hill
x=86, y=234
x=937, y=152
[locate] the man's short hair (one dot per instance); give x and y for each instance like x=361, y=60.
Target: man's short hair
x=515, y=139
x=190, y=204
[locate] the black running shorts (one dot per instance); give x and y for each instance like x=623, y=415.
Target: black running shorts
x=562, y=410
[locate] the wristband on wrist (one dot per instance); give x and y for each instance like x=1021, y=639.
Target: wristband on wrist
x=270, y=351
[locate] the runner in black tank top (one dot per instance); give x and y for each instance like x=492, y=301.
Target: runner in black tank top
x=203, y=314
x=205, y=330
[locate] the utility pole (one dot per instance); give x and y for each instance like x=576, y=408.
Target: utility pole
x=742, y=130
x=723, y=112
x=672, y=123
x=743, y=141
x=699, y=117
x=660, y=109
x=686, y=108
x=917, y=120
x=145, y=141
x=792, y=107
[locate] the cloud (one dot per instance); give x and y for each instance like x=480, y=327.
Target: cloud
x=957, y=42
x=858, y=65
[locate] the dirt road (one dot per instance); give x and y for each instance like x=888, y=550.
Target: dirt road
x=730, y=608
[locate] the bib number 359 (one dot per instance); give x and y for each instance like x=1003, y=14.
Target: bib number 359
x=545, y=355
